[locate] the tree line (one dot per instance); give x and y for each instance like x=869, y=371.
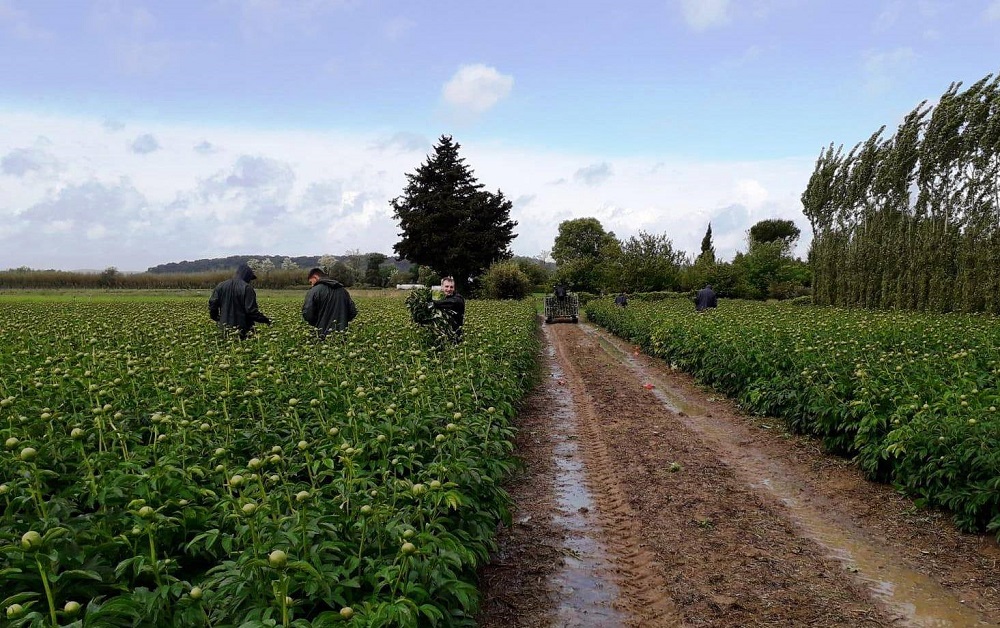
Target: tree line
x=591, y=259
x=912, y=221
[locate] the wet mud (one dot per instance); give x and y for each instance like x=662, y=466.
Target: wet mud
x=704, y=516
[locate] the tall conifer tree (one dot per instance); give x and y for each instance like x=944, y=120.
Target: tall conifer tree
x=448, y=221
x=707, y=254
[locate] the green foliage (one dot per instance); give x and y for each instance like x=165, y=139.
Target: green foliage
x=648, y=263
x=707, y=252
x=909, y=221
x=659, y=296
x=342, y=273
x=580, y=239
x=373, y=275
x=913, y=398
x=448, y=221
x=505, y=280
x=582, y=251
x=774, y=230
x=177, y=480
x=109, y=278
x=438, y=323
x=536, y=271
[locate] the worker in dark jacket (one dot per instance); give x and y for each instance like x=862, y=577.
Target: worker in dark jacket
x=233, y=304
x=453, y=304
x=705, y=299
x=328, y=306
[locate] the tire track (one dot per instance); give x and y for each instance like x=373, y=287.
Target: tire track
x=638, y=574
x=693, y=538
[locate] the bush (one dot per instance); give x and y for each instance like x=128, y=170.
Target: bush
x=660, y=296
x=505, y=280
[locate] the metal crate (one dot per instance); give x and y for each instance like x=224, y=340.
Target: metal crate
x=567, y=307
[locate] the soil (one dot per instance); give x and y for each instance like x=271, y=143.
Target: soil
x=697, y=514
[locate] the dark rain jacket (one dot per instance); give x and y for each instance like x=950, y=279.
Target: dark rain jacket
x=328, y=307
x=705, y=299
x=455, y=306
x=233, y=304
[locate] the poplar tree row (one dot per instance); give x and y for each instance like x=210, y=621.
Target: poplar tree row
x=913, y=221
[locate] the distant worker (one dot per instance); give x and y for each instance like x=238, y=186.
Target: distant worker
x=560, y=291
x=453, y=304
x=233, y=304
x=705, y=299
x=328, y=305
x=622, y=299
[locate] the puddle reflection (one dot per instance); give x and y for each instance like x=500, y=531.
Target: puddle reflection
x=585, y=589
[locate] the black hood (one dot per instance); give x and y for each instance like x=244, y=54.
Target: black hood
x=333, y=283
x=244, y=272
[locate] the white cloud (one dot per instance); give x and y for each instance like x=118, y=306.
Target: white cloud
x=702, y=15
x=97, y=232
x=882, y=70
x=992, y=12
x=24, y=161
x=303, y=193
x=403, y=142
x=594, y=174
x=750, y=193
x=205, y=147
x=477, y=88
x=145, y=144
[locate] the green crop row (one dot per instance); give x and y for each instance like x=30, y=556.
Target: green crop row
x=911, y=397
x=155, y=474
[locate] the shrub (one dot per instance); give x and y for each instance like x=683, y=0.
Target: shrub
x=505, y=280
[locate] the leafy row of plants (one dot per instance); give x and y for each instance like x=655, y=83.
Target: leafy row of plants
x=912, y=397
x=154, y=474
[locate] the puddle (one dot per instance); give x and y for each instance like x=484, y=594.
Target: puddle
x=918, y=600
x=583, y=585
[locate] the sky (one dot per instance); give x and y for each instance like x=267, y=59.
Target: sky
x=135, y=133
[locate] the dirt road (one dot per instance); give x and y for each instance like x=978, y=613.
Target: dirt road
x=646, y=500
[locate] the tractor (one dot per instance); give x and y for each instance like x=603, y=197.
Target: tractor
x=562, y=304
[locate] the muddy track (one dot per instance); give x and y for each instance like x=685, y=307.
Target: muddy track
x=640, y=576
x=712, y=518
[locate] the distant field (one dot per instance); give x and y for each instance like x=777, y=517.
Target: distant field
x=98, y=295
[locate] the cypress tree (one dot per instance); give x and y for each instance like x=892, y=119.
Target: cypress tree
x=707, y=255
x=448, y=221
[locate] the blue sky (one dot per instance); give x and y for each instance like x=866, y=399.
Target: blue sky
x=136, y=133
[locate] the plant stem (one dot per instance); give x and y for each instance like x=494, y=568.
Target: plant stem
x=48, y=592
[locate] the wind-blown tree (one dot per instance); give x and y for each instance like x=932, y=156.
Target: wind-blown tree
x=448, y=221
x=581, y=250
x=913, y=221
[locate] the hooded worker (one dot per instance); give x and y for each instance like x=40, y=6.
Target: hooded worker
x=328, y=305
x=233, y=304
